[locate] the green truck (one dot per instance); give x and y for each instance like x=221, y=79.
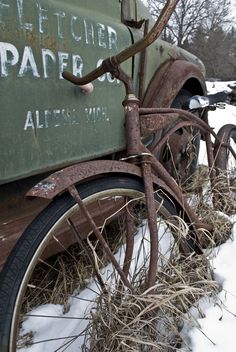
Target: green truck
x=46, y=123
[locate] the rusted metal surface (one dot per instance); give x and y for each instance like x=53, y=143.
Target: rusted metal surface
x=169, y=80
x=210, y=155
x=222, y=145
x=163, y=173
x=130, y=233
x=167, y=135
x=14, y=221
x=183, y=115
x=133, y=136
x=153, y=122
x=61, y=180
x=224, y=166
x=14, y=218
x=175, y=146
x=151, y=217
x=143, y=63
x=178, y=144
x=106, y=209
x=196, y=121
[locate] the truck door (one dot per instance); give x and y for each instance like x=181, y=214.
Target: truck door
x=46, y=122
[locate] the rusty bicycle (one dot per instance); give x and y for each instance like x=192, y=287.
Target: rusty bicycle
x=112, y=225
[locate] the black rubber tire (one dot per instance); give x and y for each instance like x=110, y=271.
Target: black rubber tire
x=22, y=257
x=222, y=153
x=225, y=167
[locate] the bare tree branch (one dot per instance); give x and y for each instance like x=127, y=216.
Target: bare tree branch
x=189, y=15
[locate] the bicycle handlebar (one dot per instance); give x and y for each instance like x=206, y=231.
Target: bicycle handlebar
x=131, y=50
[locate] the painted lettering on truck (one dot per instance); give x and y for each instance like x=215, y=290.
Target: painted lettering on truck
x=46, y=63
x=99, y=34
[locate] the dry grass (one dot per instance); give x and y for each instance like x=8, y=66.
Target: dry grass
x=220, y=194
x=64, y=274
x=213, y=205
x=151, y=320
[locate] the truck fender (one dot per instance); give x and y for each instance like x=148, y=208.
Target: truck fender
x=170, y=79
x=59, y=181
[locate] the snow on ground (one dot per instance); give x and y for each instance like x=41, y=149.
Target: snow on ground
x=218, y=117
x=216, y=329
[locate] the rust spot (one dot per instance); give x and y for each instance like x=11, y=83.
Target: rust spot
x=161, y=49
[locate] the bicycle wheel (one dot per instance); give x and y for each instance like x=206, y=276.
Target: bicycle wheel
x=50, y=286
x=224, y=159
x=225, y=164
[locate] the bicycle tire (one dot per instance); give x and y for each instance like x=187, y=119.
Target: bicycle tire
x=225, y=165
x=30, y=253
x=226, y=134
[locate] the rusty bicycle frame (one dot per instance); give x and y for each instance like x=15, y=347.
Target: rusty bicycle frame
x=139, y=160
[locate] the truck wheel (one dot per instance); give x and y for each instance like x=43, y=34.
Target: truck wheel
x=180, y=154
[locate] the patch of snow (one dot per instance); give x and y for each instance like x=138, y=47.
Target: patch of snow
x=215, y=330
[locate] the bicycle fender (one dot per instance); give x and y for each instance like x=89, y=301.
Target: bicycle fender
x=59, y=181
